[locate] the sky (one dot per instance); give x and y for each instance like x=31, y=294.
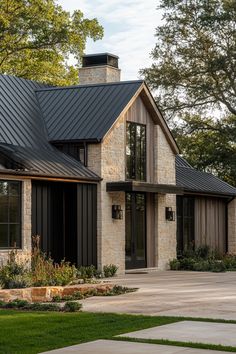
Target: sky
x=129, y=28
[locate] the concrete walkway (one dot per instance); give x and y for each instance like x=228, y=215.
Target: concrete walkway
x=114, y=347
x=172, y=293
x=190, y=331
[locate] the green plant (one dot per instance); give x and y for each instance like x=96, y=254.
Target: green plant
x=14, y=274
x=175, y=264
x=110, y=270
x=119, y=290
x=72, y=306
x=87, y=272
x=43, y=307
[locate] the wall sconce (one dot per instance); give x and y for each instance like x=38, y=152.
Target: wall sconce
x=117, y=212
x=170, y=214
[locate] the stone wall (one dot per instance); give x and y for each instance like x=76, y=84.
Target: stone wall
x=25, y=252
x=108, y=160
x=165, y=231
x=232, y=227
x=98, y=75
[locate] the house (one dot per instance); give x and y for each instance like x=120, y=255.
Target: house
x=95, y=171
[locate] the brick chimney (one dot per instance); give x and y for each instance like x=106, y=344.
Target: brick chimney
x=99, y=68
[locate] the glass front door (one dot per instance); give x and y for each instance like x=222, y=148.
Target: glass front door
x=135, y=219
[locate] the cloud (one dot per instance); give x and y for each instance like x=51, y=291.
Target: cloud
x=129, y=27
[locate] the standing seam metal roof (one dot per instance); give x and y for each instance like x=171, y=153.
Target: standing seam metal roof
x=196, y=181
x=23, y=135
x=84, y=112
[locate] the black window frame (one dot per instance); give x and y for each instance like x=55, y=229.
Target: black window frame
x=132, y=172
x=185, y=222
x=75, y=150
x=8, y=223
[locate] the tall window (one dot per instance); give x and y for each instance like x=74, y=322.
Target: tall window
x=136, y=151
x=10, y=214
x=185, y=223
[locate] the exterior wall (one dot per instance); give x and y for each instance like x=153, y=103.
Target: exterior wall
x=210, y=223
x=107, y=159
x=98, y=75
x=232, y=227
x=165, y=231
x=25, y=252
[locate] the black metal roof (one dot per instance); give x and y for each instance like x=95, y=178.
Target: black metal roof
x=199, y=182
x=84, y=112
x=23, y=135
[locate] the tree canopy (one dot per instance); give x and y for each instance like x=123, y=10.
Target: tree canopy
x=194, y=58
x=194, y=78
x=38, y=36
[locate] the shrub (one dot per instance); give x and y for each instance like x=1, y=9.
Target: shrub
x=72, y=306
x=110, y=270
x=43, y=307
x=87, y=272
x=175, y=264
x=14, y=274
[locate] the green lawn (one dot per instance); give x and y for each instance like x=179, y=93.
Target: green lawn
x=31, y=332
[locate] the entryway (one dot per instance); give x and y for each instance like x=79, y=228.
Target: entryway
x=135, y=241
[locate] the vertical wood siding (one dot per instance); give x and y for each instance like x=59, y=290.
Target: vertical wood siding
x=138, y=113
x=210, y=223
x=64, y=215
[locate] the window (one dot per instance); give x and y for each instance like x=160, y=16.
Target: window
x=136, y=151
x=10, y=214
x=185, y=224
x=78, y=151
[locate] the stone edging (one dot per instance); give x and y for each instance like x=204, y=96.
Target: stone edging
x=46, y=293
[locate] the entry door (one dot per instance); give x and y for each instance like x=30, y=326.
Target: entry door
x=135, y=219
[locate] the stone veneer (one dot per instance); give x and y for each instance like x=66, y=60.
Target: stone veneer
x=165, y=231
x=108, y=160
x=98, y=74
x=25, y=252
x=232, y=227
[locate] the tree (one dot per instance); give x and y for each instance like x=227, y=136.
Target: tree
x=193, y=75
x=194, y=65
x=38, y=36
x=209, y=144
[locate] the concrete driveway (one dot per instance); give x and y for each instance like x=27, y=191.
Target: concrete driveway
x=172, y=293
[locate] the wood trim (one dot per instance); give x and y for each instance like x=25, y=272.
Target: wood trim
x=55, y=179
x=134, y=186
x=158, y=118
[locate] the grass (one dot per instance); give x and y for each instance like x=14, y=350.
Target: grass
x=35, y=332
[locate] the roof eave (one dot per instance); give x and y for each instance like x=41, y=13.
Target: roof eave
x=45, y=176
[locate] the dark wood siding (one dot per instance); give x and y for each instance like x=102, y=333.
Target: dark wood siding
x=87, y=224
x=206, y=226
x=210, y=223
x=64, y=215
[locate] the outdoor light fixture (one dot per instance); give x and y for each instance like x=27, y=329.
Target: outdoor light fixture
x=117, y=212
x=170, y=214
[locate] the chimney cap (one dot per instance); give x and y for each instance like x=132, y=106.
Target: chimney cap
x=99, y=59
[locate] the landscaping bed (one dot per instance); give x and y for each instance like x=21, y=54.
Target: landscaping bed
x=203, y=259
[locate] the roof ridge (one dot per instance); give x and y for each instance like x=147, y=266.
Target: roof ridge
x=89, y=85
